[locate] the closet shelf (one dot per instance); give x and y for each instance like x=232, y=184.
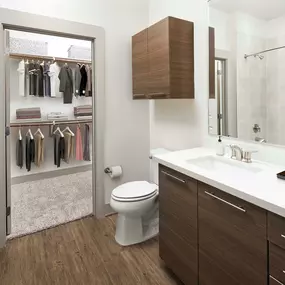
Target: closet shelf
x=49, y=123
x=21, y=56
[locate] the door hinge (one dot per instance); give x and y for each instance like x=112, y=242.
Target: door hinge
x=220, y=116
x=219, y=72
x=7, y=131
x=8, y=211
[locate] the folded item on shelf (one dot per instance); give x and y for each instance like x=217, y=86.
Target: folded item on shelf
x=57, y=116
x=28, y=113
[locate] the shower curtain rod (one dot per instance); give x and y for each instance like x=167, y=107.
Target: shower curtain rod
x=265, y=51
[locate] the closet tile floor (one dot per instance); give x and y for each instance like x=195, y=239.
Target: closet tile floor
x=83, y=252
x=42, y=204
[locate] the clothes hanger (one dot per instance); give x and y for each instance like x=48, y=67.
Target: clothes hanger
x=40, y=132
x=69, y=130
x=29, y=133
x=20, y=134
x=58, y=131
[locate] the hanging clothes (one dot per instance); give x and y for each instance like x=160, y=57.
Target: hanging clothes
x=83, y=81
x=40, y=77
x=91, y=74
x=67, y=145
x=20, y=153
x=54, y=71
x=30, y=152
x=27, y=79
x=89, y=80
x=86, y=153
x=39, y=150
x=79, y=151
x=21, y=74
x=66, y=84
x=32, y=79
x=47, y=84
x=59, y=149
x=77, y=80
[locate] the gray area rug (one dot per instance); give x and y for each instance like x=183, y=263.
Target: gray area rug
x=38, y=205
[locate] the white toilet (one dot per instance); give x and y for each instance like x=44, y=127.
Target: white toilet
x=137, y=206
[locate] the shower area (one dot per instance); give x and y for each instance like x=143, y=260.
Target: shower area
x=260, y=99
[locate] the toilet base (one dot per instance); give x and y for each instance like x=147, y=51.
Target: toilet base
x=130, y=230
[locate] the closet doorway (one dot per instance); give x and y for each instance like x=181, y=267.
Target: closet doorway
x=49, y=113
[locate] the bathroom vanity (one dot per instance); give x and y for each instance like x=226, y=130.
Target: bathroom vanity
x=221, y=221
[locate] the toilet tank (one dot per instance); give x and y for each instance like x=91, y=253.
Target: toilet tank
x=154, y=164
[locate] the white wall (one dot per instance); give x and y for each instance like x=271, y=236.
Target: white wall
x=179, y=124
x=127, y=121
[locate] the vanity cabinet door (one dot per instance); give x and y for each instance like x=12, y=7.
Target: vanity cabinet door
x=178, y=240
x=232, y=240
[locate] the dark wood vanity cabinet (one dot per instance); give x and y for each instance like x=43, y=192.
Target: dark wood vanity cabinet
x=163, y=60
x=276, y=236
x=178, y=240
x=232, y=240
x=209, y=237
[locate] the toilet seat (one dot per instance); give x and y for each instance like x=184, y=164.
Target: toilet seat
x=134, y=191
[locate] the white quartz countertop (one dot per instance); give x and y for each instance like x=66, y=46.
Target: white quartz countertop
x=263, y=189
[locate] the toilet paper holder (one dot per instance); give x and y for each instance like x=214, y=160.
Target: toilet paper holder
x=108, y=170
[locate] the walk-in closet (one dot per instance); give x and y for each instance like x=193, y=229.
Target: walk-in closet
x=49, y=95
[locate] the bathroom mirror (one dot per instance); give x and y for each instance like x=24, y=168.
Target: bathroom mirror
x=247, y=69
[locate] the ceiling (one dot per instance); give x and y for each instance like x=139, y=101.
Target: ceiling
x=262, y=9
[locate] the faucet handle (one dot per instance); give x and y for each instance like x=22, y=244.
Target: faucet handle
x=247, y=155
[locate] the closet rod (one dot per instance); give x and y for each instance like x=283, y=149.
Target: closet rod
x=21, y=56
x=49, y=123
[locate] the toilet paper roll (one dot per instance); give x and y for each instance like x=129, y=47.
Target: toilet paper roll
x=116, y=172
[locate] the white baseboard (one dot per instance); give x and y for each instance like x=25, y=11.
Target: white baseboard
x=50, y=174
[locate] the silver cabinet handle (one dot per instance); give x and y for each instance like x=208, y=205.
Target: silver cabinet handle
x=282, y=236
x=276, y=280
x=139, y=95
x=226, y=202
x=174, y=177
x=283, y=271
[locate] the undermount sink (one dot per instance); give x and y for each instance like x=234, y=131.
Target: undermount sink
x=222, y=164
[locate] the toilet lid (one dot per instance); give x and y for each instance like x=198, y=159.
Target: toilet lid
x=135, y=190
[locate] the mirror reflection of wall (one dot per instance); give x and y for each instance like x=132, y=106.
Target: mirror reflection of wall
x=249, y=101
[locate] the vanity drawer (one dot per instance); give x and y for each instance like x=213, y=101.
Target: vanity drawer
x=244, y=216
x=276, y=229
x=277, y=262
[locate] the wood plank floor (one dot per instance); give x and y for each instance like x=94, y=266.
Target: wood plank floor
x=81, y=252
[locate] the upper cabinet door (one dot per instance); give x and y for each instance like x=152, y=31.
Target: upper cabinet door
x=158, y=57
x=140, y=65
x=181, y=42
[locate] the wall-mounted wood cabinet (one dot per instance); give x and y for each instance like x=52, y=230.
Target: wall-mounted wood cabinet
x=163, y=60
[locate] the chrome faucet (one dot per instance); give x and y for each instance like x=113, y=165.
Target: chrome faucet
x=237, y=152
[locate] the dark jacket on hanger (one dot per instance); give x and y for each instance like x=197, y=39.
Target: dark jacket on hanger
x=66, y=84
x=19, y=153
x=30, y=152
x=83, y=82
x=86, y=151
x=32, y=79
x=40, y=80
x=59, y=149
x=47, y=87
x=77, y=79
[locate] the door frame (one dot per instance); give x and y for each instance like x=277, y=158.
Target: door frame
x=22, y=21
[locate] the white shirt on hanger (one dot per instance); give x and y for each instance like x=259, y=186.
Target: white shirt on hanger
x=21, y=72
x=54, y=70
